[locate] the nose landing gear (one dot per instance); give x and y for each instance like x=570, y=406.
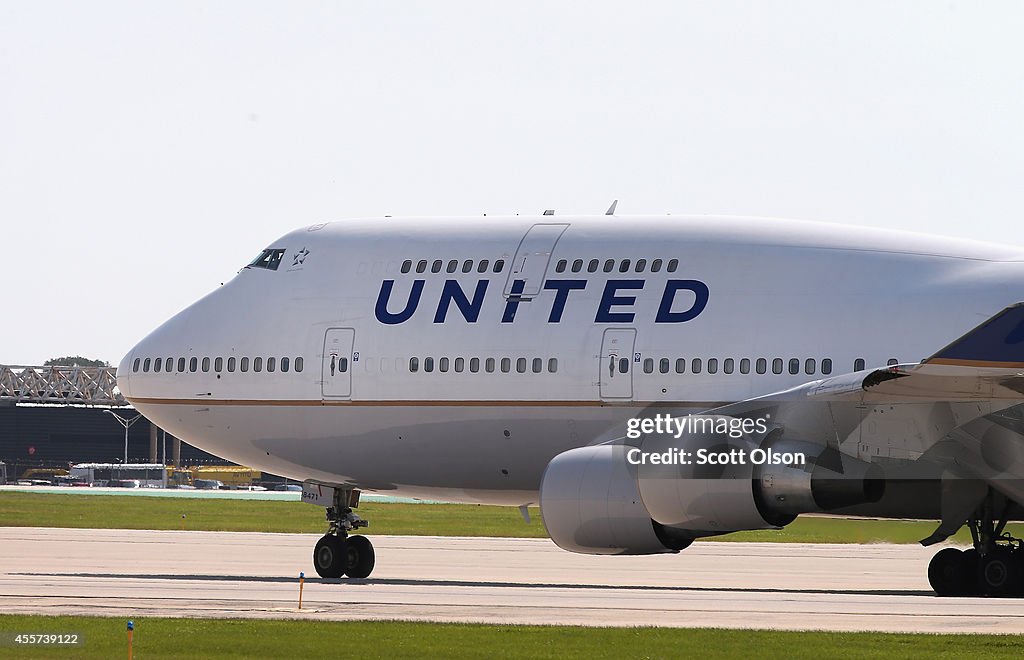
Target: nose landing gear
x=337, y=553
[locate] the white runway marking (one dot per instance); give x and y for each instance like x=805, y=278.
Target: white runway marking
x=528, y=581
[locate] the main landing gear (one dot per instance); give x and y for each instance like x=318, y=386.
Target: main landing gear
x=993, y=567
x=337, y=553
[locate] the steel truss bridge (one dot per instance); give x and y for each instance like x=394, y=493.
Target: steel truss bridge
x=87, y=386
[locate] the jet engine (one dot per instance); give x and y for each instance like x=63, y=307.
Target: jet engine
x=661, y=492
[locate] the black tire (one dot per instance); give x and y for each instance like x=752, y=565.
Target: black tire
x=947, y=573
x=329, y=557
x=972, y=573
x=1000, y=573
x=360, y=557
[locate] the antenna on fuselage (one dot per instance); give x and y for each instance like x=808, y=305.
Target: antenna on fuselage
x=549, y=212
x=611, y=209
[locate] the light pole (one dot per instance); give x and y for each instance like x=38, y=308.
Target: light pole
x=126, y=423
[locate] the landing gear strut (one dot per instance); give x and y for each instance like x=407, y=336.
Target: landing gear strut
x=337, y=553
x=993, y=567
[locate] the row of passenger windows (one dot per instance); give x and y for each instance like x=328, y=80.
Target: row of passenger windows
x=194, y=364
x=809, y=366
x=490, y=365
x=729, y=365
x=453, y=266
x=638, y=266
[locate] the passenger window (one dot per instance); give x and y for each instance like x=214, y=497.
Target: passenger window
x=552, y=365
x=436, y=266
x=489, y=365
x=181, y=365
x=421, y=266
x=577, y=265
x=442, y=365
x=506, y=365
x=623, y=365
x=712, y=365
x=624, y=266
x=858, y=364
x=745, y=366
x=481, y=267
x=892, y=362
x=406, y=265
x=218, y=365
x=762, y=365
x=474, y=365
x=285, y=364
x=257, y=364
x=560, y=266
x=193, y=365
x=453, y=265
x=298, y=364
x=680, y=365
x=809, y=366
x=271, y=364
x=656, y=266
x=428, y=364
x=414, y=364
x=648, y=365
x=672, y=265
x=640, y=265
x=727, y=365
x=467, y=266
x=158, y=364
x=794, y=366
x=609, y=265
x=777, y=365
x=244, y=365
x=521, y=365
x=231, y=364
x=460, y=365
x=664, y=365
x=145, y=365
x=168, y=365
x=538, y=365
x=499, y=265
x=695, y=366
x=592, y=266
x=206, y=364
x=135, y=365
x=826, y=366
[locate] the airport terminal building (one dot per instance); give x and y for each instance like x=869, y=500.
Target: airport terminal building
x=53, y=416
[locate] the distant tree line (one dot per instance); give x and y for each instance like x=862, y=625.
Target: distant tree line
x=75, y=361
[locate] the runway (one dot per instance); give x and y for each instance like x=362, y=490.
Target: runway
x=524, y=581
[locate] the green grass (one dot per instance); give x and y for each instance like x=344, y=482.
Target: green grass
x=230, y=638
x=118, y=512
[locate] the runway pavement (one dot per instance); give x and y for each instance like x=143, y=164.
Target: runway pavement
x=529, y=581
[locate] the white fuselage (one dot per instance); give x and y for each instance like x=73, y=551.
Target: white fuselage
x=462, y=384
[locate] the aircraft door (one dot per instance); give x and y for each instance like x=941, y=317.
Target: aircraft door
x=616, y=364
x=336, y=369
x=531, y=260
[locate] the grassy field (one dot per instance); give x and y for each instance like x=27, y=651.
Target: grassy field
x=113, y=512
x=196, y=638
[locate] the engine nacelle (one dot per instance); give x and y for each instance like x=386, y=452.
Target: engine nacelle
x=591, y=505
x=608, y=499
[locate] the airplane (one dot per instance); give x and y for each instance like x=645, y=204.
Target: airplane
x=514, y=361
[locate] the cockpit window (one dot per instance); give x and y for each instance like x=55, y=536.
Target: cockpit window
x=269, y=259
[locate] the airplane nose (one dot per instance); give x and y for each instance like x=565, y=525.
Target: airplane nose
x=124, y=370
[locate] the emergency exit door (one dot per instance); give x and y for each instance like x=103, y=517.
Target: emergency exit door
x=336, y=369
x=616, y=363
x=531, y=260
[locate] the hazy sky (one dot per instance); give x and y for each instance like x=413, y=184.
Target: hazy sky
x=148, y=150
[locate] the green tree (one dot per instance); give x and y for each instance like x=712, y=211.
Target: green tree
x=74, y=361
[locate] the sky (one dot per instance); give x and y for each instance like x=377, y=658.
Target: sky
x=149, y=150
